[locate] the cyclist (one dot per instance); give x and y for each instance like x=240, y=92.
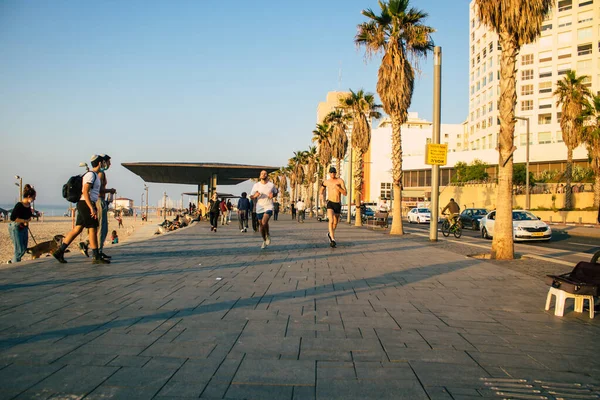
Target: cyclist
x=454, y=210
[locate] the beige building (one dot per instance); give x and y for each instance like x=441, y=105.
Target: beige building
x=569, y=41
x=331, y=103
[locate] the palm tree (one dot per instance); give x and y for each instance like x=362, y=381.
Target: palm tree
x=312, y=164
x=339, y=140
x=591, y=137
x=322, y=135
x=517, y=23
x=572, y=95
x=398, y=33
x=299, y=164
x=361, y=106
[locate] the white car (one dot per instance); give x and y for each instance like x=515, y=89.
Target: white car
x=526, y=226
x=419, y=215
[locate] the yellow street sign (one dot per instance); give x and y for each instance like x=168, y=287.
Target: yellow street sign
x=436, y=154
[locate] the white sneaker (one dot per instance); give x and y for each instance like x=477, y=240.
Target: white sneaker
x=264, y=245
x=242, y=231
x=268, y=240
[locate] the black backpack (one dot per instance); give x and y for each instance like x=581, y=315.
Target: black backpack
x=73, y=189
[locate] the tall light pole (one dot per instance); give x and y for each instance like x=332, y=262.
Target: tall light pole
x=527, y=196
x=435, y=169
x=147, y=201
x=142, y=205
x=20, y=185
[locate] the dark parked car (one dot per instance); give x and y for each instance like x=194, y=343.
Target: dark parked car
x=470, y=217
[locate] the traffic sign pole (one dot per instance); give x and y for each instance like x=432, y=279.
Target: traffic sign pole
x=435, y=168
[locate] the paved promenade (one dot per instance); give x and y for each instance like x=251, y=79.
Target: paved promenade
x=195, y=314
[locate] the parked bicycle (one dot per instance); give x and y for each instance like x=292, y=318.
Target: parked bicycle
x=455, y=228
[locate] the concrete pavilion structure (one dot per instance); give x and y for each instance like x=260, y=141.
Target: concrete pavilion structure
x=199, y=174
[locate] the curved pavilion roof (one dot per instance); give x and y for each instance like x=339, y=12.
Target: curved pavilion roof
x=195, y=173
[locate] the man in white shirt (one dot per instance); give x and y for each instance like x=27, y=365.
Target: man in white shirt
x=300, y=207
x=263, y=192
x=384, y=206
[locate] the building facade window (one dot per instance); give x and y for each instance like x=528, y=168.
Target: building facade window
x=564, y=21
x=526, y=74
x=527, y=105
x=545, y=72
x=565, y=5
x=526, y=90
x=544, y=119
x=545, y=87
x=386, y=191
x=544, y=137
x=585, y=16
x=527, y=59
x=545, y=56
x=584, y=49
x=585, y=33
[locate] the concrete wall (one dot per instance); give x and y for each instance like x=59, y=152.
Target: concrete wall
x=484, y=196
x=583, y=217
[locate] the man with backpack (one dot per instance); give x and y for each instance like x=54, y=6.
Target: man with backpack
x=87, y=213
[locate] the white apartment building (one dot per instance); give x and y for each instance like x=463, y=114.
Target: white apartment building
x=569, y=41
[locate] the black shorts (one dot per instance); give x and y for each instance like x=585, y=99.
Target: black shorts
x=336, y=207
x=84, y=216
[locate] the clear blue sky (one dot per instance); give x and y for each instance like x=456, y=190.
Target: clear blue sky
x=191, y=81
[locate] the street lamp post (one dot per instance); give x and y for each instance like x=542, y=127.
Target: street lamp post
x=147, y=201
x=527, y=196
x=20, y=185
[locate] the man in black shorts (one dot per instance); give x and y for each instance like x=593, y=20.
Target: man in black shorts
x=335, y=189
x=87, y=214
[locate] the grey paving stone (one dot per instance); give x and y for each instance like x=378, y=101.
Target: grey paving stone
x=119, y=392
x=74, y=379
x=401, y=389
x=183, y=389
x=289, y=372
x=442, y=374
x=150, y=378
x=127, y=361
x=259, y=392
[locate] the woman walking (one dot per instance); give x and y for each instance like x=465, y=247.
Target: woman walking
x=19, y=225
x=214, y=208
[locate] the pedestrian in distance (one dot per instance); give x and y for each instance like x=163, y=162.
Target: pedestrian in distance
x=229, y=211
x=18, y=228
x=335, y=189
x=300, y=208
x=223, y=210
x=263, y=193
x=87, y=214
x=293, y=209
x=244, y=207
x=275, y=210
x=214, y=207
x=254, y=217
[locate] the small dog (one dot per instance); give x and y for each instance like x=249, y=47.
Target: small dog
x=45, y=247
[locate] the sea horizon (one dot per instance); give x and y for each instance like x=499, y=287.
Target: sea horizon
x=49, y=210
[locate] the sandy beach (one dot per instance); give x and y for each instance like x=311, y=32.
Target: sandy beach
x=133, y=229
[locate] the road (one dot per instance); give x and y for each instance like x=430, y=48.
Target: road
x=562, y=246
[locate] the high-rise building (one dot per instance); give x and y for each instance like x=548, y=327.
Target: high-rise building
x=569, y=41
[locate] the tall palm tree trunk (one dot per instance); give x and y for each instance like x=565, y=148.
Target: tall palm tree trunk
x=310, y=196
x=569, y=179
x=358, y=181
x=338, y=165
x=397, y=227
x=503, y=245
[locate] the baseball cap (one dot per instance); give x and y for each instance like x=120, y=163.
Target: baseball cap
x=95, y=157
x=332, y=170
